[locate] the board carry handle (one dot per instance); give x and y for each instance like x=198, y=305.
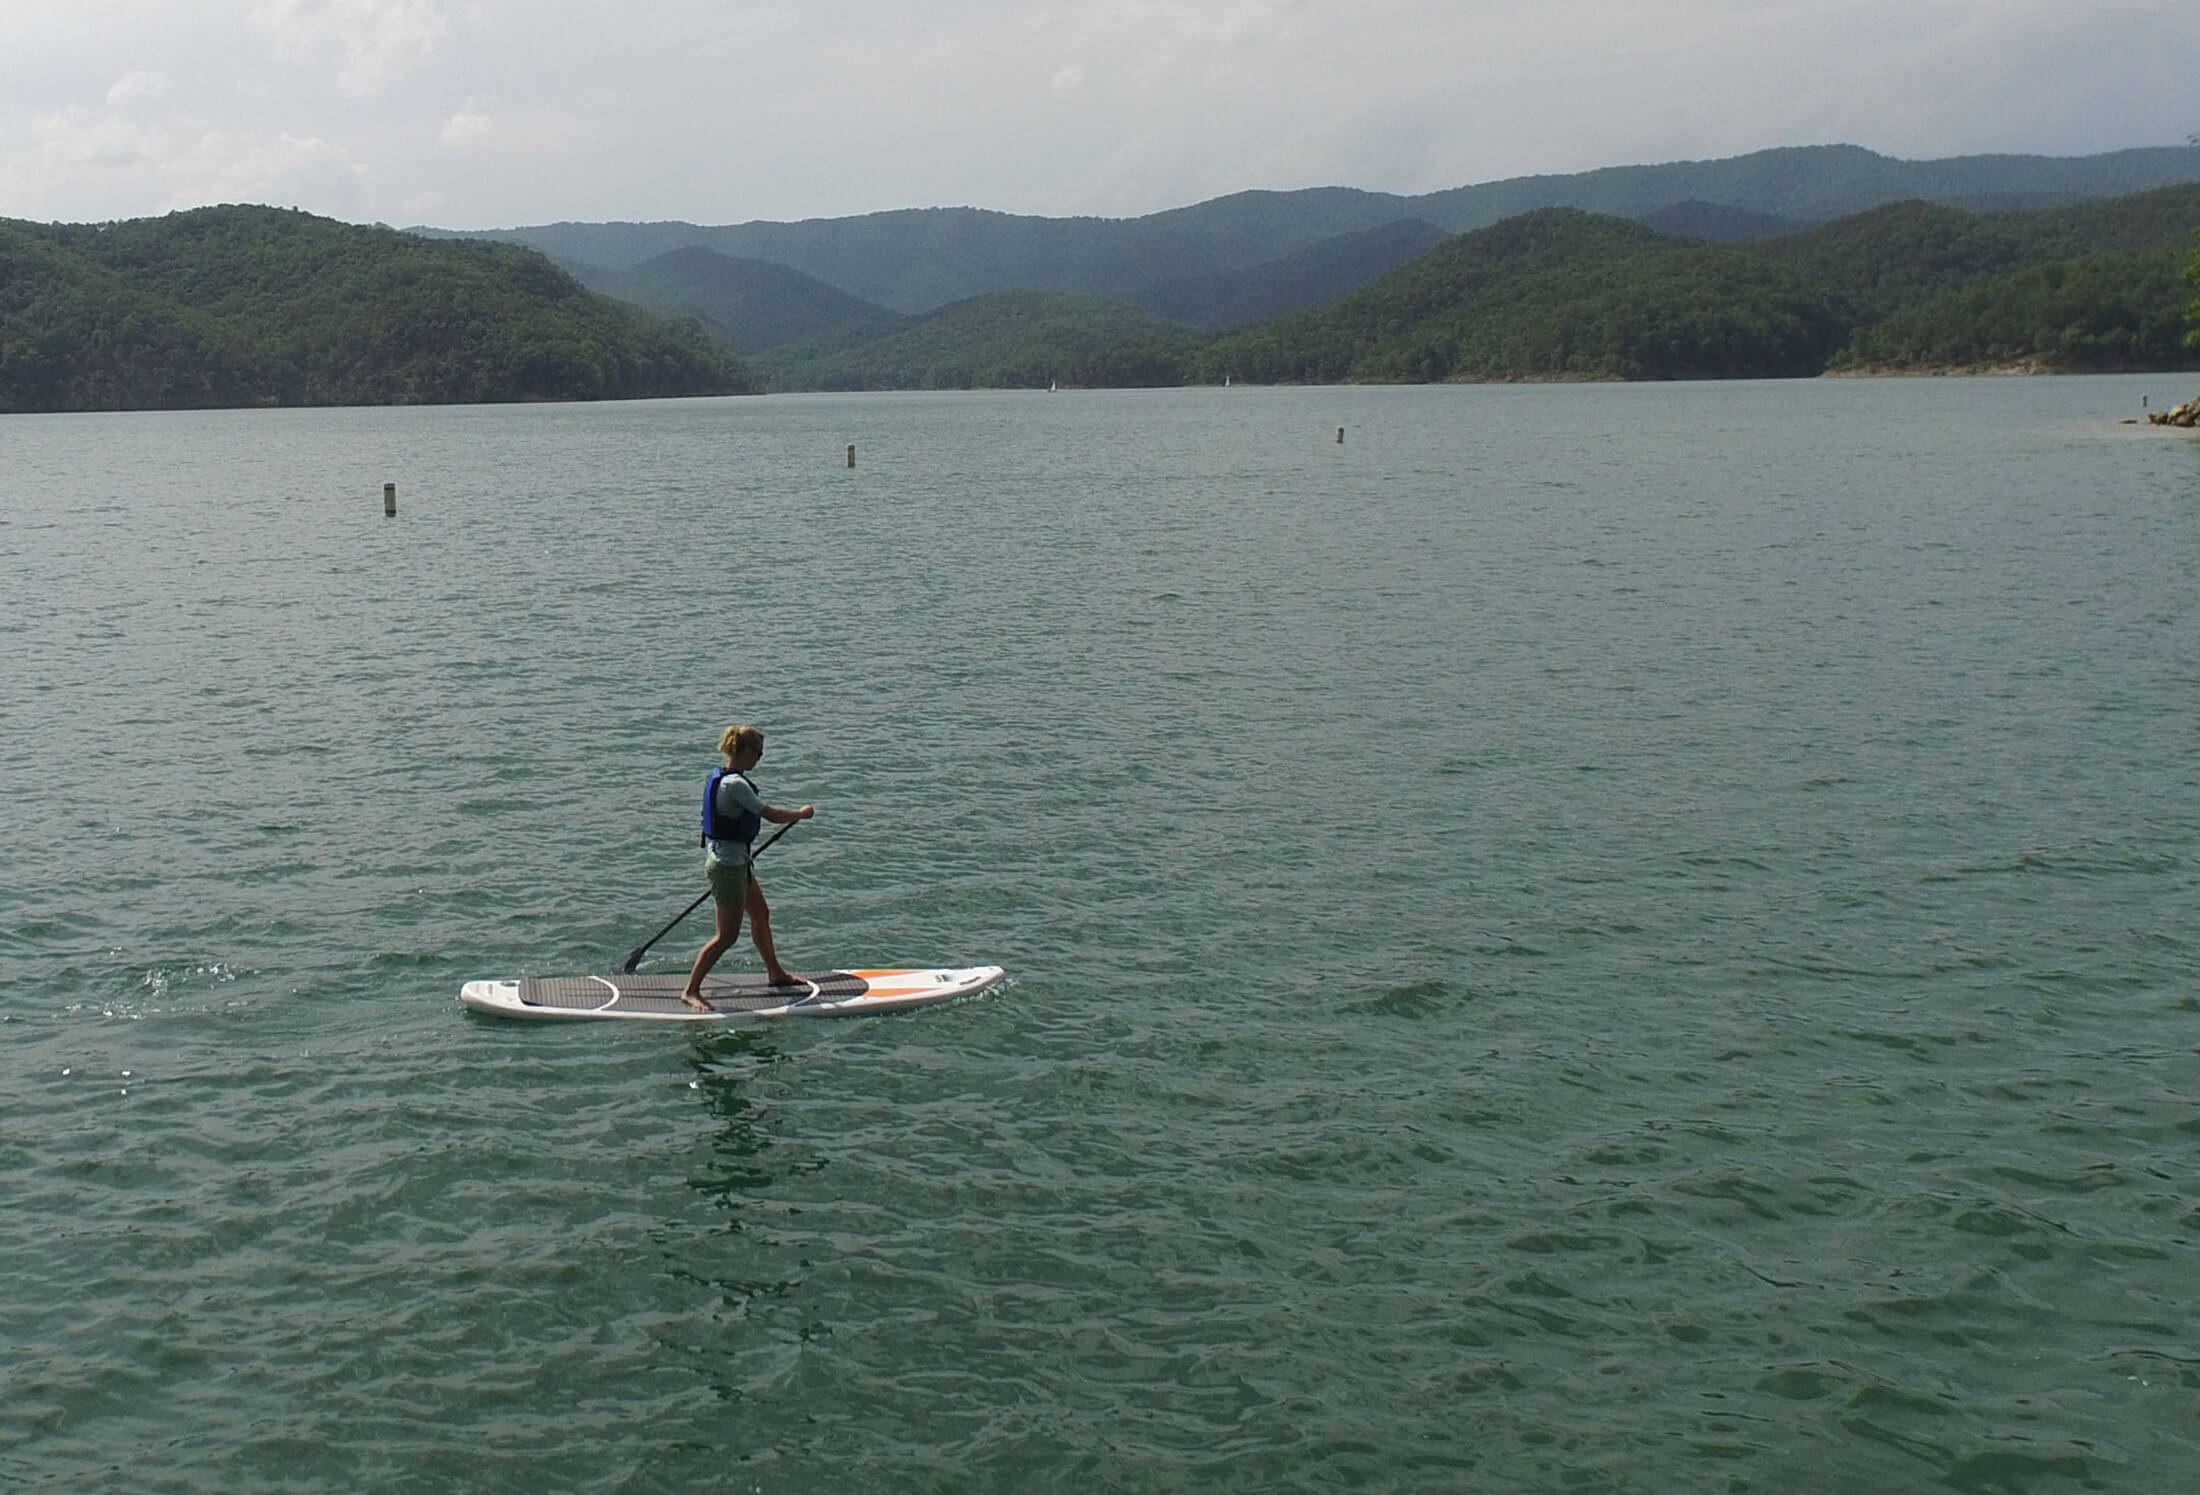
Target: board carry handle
x=634, y=956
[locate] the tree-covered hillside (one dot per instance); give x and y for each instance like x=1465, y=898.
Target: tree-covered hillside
x=747, y=305
x=259, y=306
x=916, y=260
x=1891, y=257
x=2084, y=288
x=1717, y=223
x=249, y=305
x=2104, y=313
x=1310, y=277
x=1819, y=183
x=1562, y=294
x=1554, y=294
x=2192, y=312
x=1020, y=340
x=75, y=335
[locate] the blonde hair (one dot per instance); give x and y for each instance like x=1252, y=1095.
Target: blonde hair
x=734, y=739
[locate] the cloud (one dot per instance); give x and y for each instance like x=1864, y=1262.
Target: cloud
x=142, y=84
x=468, y=127
x=98, y=156
x=375, y=42
x=518, y=111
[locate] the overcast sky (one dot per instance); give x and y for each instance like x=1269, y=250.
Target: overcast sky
x=494, y=113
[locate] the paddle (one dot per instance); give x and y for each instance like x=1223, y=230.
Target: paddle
x=635, y=958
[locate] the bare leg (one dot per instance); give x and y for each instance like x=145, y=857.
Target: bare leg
x=760, y=930
x=729, y=930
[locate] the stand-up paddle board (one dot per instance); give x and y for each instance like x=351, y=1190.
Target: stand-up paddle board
x=733, y=999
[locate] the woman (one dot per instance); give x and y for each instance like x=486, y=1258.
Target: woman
x=733, y=812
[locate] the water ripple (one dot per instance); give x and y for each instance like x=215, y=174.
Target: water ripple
x=1540, y=962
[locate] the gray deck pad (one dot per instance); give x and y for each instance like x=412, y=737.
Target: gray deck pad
x=742, y=993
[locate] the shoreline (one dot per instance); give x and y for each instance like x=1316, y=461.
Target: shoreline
x=2021, y=369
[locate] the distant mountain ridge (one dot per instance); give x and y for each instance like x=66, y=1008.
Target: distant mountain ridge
x=916, y=260
x=1909, y=286
x=749, y=306
x=1719, y=225
x=260, y=306
x=1307, y=277
x=755, y=307
x=1561, y=293
x=1009, y=340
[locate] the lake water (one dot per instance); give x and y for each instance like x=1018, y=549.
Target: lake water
x=1583, y=939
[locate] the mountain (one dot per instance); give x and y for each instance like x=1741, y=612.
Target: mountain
x=1321, y=272
x=751, y=306
x=1552, y=294
x=915, y=260
x=1565, y=294
x=1716, y=224
x=1014, y=340
x=1890, y=258
x=255, y=306
x=259, y=306
x=1819, y=183
x=747, y=305
x=2109, y=313
x=2089, y=288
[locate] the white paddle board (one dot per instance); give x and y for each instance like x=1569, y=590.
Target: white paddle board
x=733, y=999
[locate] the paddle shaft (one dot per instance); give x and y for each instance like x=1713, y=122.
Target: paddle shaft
x=634, y=958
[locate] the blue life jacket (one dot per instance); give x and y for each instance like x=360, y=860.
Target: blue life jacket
x=740, y=826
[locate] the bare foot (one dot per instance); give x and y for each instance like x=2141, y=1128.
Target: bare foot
x=695, y=1000
x=781, y=978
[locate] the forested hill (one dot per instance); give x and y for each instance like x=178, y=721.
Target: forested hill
x=916, y=260
x=259, y=306
x=1562, y=294
x=256, y=306
x=748, y=305
x=1553, y=294
x=1016, y=340
x=1307, y=277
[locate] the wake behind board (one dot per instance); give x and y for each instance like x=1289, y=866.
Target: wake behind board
x=733, y=999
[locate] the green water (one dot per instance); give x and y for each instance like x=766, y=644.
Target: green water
x=1584, y=939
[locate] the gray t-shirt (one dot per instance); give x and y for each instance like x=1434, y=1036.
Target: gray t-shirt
x=735, y=794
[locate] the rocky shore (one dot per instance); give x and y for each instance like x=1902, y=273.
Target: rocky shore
x=2186, y=415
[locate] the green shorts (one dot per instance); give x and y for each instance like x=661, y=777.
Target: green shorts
x=729, y=882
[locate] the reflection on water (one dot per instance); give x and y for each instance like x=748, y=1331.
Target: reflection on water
x=724, y=1067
